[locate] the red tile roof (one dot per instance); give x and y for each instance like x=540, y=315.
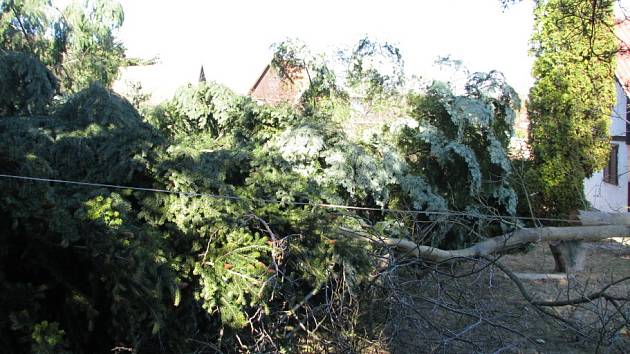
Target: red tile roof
x=622, y=30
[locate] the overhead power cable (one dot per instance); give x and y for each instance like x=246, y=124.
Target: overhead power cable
x=272, y=201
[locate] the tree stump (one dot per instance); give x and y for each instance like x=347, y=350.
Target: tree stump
x=569, y=256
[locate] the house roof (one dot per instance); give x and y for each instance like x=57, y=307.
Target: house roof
x=262, y=75
x=279, y=84
x=622, y=30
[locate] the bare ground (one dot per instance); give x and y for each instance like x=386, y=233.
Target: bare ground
x=480, y=310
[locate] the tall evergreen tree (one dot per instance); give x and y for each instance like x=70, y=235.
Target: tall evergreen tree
x=91, y=52
x=77, y=44
x=571, y=100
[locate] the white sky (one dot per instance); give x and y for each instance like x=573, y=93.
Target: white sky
x=232, y=38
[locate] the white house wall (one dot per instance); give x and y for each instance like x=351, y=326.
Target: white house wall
x=604, y=196
x=618, y=121
x=608, y=197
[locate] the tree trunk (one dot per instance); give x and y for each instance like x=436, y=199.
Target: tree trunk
x=569, y=256
x=601, y=218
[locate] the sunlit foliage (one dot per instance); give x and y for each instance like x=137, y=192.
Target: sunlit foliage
x=235, y=221
x=570, y=104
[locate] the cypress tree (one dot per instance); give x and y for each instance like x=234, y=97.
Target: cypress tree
x=570, y=102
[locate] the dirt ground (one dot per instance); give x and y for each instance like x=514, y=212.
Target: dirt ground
x=484, y=312
x=606, y=262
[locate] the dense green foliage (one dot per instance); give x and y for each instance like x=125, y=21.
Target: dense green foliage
x=231, y=237
x=77, y=43
x=87, y=268
x=466, y=136
x=23, y=27
x=91, y=53
x=570, y=103
x=28, y=86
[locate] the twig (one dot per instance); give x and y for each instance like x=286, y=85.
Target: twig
x=529, y=298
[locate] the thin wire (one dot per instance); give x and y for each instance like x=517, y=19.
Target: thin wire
x=272, y=201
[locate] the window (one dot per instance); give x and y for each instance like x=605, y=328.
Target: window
x=610, y=171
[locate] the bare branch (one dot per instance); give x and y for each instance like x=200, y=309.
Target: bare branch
x=498, y=244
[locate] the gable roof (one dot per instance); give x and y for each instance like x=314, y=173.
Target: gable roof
x=622, y=30
x=279, y=84
x=262, y=75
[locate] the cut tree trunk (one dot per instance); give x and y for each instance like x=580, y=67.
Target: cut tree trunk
x=569, y=256
x=601, y=218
